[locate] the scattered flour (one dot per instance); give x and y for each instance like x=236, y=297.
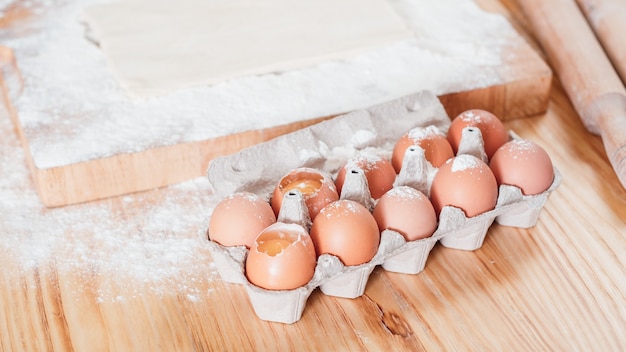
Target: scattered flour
x=367, y=160
x=522, y=149
x=335, y=158
x=152, y=242
x=362, y=138
x=464, y=162
x=155, y=241
x=419, y=133
x=341, y=208
x=470, y=116
x=4, y=5
x=406, y=193
x=73, y=110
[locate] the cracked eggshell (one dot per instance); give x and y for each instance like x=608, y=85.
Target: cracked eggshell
x=317, y=188
x=239, y=218
x=281, y=258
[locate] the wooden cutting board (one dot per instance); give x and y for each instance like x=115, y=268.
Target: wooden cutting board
x=521, y=90
x=99, y=277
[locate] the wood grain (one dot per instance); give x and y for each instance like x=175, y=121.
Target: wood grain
x=606, y=17
x=556, y=287
x=590, y=80
x=523, y=91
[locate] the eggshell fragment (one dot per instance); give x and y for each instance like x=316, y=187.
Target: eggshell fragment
x=239, y=218
x=347, y=230
x=281, y=258
x=465, y=182
x=379, y=172
x=436, y=147
x=524, y=164
x=317, y=188
x=493, y=131
x=406, y=211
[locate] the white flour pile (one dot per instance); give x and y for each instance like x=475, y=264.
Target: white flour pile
x=153, y=242
x=72, y=109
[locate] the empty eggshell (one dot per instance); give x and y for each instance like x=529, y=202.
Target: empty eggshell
x=239, y=218
x=436, y=147
x=317, y=188
x=282, y=257
x=465, y=182
x=406, y=211
x=379, y=172
x=493, y=131
x=525, y=164
x=347, y=230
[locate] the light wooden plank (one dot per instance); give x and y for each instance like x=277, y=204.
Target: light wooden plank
x=557, y=286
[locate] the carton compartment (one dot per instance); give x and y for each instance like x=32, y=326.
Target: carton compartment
x=327, y=146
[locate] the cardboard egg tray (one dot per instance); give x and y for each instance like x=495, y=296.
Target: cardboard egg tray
x=327, y=146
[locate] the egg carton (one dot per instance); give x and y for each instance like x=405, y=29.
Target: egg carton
x=327, y=146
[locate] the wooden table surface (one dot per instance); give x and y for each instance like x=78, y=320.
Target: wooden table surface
x=558, y=286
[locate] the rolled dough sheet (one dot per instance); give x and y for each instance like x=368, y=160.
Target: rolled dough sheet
x=159, y=46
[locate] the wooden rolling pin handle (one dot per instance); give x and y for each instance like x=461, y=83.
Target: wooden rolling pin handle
x=588, y=77
x=606, y=17
x=609, y=111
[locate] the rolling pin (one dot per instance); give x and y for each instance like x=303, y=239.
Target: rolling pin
x=589, y=79
x=608, y=21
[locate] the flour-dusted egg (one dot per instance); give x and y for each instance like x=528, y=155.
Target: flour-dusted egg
x=406, y=211
x=282, y=257
x=465, y=182
x=524, y=164
x=317, y=188
x=436, y=147
x=379, y=172
x=347, y=230
x=493, y=131
x=239, y=218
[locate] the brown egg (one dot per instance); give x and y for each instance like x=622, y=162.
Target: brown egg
x=239, y=218
x=282, y=257
x=465, y=182
x=524, y=164
x=347, y=230
x=493, y=131
x=436, y=147
x=317, y=188
x=378, y=171
x=406, y=211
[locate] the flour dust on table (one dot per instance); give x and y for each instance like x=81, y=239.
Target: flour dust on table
x=146, y=243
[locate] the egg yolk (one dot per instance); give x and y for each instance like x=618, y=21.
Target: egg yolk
x=306, y=183
x=273, y=243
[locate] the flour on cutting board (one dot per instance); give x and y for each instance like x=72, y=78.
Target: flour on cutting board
x=73, y=110
x=148, y=243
